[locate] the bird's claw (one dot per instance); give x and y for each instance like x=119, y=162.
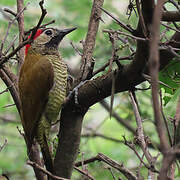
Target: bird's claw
x=75, y=92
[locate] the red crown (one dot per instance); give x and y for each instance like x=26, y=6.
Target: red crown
x=38, y=32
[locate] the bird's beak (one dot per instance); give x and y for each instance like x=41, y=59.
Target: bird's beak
x=64, y=32
x=54, y=42
x=67, y=31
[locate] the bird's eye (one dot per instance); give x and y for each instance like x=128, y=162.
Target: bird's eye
x=48, y=32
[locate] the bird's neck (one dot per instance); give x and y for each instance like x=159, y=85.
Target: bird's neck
x=41, y=50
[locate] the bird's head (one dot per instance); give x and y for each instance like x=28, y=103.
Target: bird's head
x=47, y=40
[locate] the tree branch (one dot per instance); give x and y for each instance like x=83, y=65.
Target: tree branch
x=170, y=16
x=120, y=167
x=84, y=173
x=102, y=136
x=71, y=115
x=101, y=157
x=34, y=165
x=140, y=133
x=20, y=4
x=154, y=70
x=88, y=47
x=12, y=87
x=127, y=28
x=28, y=41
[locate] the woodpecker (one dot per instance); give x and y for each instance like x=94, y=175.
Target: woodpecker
x=42, y=87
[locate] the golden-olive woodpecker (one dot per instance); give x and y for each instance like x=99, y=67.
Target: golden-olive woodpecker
x=42, y=86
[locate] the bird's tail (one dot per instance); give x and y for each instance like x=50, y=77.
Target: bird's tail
x=47, y=155
x=41, y=137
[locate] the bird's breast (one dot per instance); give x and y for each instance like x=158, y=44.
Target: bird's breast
x=58, y=92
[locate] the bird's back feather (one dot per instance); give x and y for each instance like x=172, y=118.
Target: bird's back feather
x=35, y=84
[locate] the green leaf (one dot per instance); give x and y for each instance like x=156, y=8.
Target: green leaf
x=170, y=76
x=170, y=108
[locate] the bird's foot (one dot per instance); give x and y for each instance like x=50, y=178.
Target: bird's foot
x=75, y=92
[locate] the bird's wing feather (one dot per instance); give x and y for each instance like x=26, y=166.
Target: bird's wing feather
x=34, y=86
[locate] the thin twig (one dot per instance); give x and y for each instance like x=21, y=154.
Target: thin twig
x=28, y=41
x=177, y=115
x=128, y=28
x=6, y=90
x=112, y=94
x=87, y=161
x=140, y=132
x=165, y=120
x=148, y=78
x=169, y=27
x=9, y=26
x=84, y=173
x=120, y=167
x=35, y=165
x=3, y=145
x=126, y=34
x=5, y=76
x=10, y=45
x=9, y=105
x=101, y=136
x=76, y=49
x=43, y=14
x=112, y=39
x=21, y=53
x=42, y=26
x=141, y=19
x=114, y=178
x=116, y=116
x=131, y=146
x=107, y=64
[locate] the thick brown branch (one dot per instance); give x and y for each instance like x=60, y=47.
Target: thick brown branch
x=87, y=63
x=95, y=90
x=70, y=131
x=170, y=16
x=69, y=139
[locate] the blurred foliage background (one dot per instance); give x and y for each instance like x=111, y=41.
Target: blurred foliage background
x=76, y=13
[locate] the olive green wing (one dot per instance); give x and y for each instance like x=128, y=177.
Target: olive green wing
x=34, y=86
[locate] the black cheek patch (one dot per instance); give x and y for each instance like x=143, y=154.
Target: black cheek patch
x=54, y=42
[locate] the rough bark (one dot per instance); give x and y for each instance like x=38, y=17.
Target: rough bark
x=97, y=89
x=69, y=139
